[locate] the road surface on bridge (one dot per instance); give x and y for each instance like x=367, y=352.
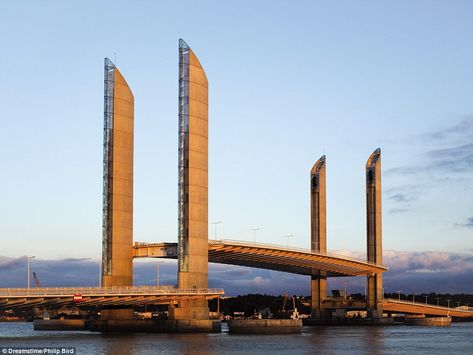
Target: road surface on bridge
x=267, y=256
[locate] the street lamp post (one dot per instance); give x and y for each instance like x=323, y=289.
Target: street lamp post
x=426, y=299
x=100, y=274
x=413, y=297
x=287, y=238
x=438, y=301
x=158, y=273
x=448, y=303
x=254, y=234
x=399, y=294
x=28, y=258
x=215, y=224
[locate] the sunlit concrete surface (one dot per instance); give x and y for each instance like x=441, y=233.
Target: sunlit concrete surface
x=318, y=222
x=267, y=256
x=374, y=232
x=117, y=262
x=193, y=182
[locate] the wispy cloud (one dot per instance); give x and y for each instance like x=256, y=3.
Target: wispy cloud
x=403, y=197
x=468, y=224
x=447, y=157
x=449, y=151
x=455, y=159
x=458, y=129
x=7, y=264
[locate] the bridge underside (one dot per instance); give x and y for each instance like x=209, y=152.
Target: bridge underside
x=264, y=256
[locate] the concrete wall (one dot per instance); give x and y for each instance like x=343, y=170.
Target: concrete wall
x=429, y=321
x=157, y=326
x=265, y=326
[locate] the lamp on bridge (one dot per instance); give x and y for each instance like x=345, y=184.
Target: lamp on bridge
x=254, y=234
x=287, y=238
x=215, y=224
x=158, y=272
x=28, y=258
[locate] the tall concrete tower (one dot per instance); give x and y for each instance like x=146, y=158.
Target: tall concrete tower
x=117, y=223
x=374, y=232
x=193, y=183
x=318, y=220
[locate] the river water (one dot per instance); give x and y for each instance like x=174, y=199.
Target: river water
x=457, y=339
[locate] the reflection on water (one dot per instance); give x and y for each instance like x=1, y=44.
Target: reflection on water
x=456, y=339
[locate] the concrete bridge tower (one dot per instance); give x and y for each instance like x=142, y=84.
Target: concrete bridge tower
x=318, y=220
x=374, y=232
x=193, y=183
x=117, y=215
x=117, y=222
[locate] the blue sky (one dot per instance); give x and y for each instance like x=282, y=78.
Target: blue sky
x=289, y=82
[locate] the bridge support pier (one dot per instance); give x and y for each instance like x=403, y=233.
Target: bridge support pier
x=192, y=309
x=318, y=286
x=116, y=314
x=374, y=233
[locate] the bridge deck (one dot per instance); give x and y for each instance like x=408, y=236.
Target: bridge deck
x=267, y=256
x=407, y=307
x=391, y=305
x=100, y=296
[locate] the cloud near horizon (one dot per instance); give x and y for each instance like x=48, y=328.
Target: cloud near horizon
x=418, y=272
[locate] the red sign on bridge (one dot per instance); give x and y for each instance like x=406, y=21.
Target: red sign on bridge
x=78, y=298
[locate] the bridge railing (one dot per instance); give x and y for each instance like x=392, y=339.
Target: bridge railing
x=159, y=244
x=287, y=248
x=98, y=291
x=420, y=304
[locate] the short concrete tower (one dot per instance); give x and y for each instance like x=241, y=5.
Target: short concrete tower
x=374, y=232
x=117, y=223
x=318, y=221
x=193, y=183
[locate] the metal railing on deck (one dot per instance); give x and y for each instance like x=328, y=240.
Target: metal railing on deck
x=420, y=304
x=105, y=291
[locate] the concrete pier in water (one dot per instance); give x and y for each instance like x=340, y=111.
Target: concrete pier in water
x=264, y=326
x=132, y=325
